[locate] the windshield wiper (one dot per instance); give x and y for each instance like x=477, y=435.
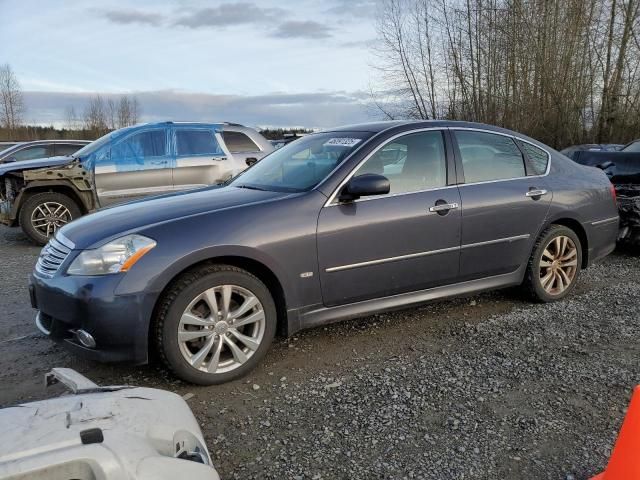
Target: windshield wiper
x=251, y=187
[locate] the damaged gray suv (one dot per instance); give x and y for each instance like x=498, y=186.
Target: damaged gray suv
x=42, y=195
x=335, y=225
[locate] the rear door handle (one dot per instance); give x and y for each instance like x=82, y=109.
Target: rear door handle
x=442, y=207
x=536, y=193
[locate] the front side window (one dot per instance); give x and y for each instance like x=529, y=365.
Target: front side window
x=131, y=152
x=238, y=142
x=412, y=163
x=31, y=153
x=489, y=156
x=63, y=149
x=538, y=158
x=196, y=142
x=303, y=164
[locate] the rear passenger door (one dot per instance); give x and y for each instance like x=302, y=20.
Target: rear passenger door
x=505, y=199
x=199, y=159
x=138, y=165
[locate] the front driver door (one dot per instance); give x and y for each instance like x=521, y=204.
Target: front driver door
x=138, y=165
x=400, y=242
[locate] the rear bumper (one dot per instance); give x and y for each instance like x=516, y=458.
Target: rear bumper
x=118, y=323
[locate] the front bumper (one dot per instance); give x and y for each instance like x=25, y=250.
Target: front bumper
x=118, y=323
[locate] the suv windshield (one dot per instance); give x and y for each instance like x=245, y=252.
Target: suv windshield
x=301, y=165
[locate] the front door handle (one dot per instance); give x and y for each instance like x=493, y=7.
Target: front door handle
x=536, y=193
x=443, y=207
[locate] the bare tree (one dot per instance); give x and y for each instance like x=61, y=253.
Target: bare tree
x=72, y=122
x=563, y=71
x=11, y=101
x=95, y=116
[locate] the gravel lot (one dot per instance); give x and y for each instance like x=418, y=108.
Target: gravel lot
x=484, y=387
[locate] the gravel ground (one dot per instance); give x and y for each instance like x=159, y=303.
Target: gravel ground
x=484, y=387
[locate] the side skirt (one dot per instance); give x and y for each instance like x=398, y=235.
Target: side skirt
x=320, y=315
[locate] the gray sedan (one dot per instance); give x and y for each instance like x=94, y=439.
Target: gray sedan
x=338, y=224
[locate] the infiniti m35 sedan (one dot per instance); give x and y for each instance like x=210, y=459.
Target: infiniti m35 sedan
x=338, y=224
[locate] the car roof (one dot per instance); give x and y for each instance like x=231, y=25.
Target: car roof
x=377, y=127
x=38, y=142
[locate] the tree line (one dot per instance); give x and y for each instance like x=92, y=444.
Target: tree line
x=562, y=71
x=100, y=115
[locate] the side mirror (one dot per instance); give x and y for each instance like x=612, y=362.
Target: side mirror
x=11, y=159
x=250, y=161
x=365, y=185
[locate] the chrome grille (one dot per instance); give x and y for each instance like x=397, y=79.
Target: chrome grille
x=53, y=255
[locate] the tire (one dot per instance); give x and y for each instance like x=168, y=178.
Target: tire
x=190, y=296
x=32, y=217
x=547, y=272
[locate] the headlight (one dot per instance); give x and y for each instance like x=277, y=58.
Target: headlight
x=114, y=257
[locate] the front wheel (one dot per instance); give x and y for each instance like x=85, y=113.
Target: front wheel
x=554, y=266
x=43, y=214
x=215, y=324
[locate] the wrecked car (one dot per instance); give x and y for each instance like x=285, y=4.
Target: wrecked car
x=115, y=432
x=43, y=195
x=623, y=169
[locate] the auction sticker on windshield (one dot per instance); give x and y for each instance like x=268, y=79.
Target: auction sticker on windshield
x=342, y=142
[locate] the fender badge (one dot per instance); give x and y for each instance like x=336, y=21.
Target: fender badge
x=306, y=274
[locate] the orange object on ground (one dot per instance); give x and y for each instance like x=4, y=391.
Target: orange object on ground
x=624, y=463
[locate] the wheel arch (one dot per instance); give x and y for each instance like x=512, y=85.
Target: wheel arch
x=62, y=188
x=579, y=230
x=251, y=265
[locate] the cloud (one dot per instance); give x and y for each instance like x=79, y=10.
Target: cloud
x=302, y=29
x=314, y=109
x=229, y=14
x=128, y=16
x=357, y=8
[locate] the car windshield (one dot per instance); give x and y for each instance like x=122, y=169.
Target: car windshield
x=632, y=147
x=302, y=164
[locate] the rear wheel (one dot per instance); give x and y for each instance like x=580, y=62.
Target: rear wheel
x=554, y=266
x=43, y=214
x=215, y=324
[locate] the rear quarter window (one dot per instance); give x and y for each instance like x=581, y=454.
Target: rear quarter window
x=239, y=142
x=538, y=158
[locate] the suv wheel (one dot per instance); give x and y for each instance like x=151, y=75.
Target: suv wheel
x=554, y=266
x=215, y=324
x=43, y=214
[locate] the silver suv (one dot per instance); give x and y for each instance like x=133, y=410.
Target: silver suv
x=42, y=195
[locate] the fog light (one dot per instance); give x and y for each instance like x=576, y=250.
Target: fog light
x=85, y=339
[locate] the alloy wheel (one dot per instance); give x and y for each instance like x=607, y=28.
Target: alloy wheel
x=221, y=329
x=558, y=265
x=48, y=217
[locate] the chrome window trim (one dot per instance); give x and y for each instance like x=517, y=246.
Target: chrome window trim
x=332, y=197
x=330, y=201
x=513, y=137
x=379, y=261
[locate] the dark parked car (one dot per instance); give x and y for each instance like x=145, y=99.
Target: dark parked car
x=41, y=149
x=338, y=224
x=591, y=147
x=623, y=169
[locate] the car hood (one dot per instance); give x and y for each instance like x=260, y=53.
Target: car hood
x=112, y=222
x=36, y=163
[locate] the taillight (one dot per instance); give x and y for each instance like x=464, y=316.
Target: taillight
x=613, y=192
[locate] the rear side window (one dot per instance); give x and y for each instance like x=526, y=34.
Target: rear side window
x=538, y=158
x=488, y=156
x=239, y=142
x=197, y=142
x=66, y=149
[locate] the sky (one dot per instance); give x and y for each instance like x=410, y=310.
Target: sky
x=256, y=62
